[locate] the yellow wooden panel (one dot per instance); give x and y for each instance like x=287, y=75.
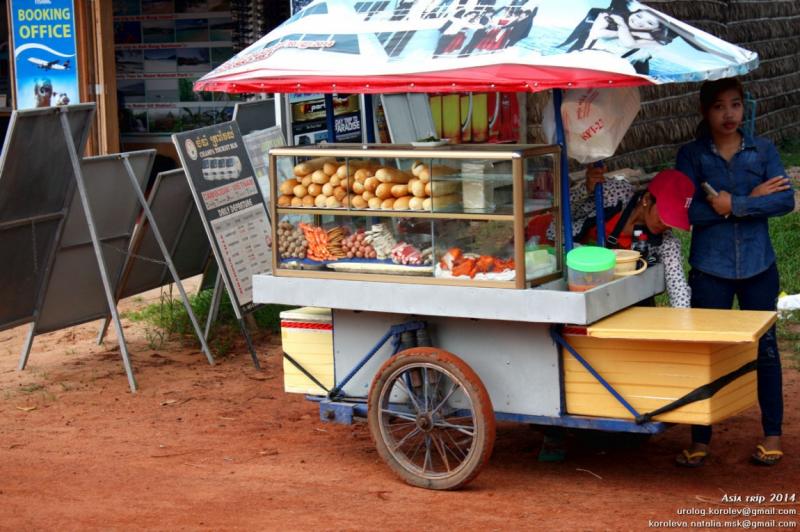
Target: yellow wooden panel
x=311, y=348
x=651, y=374
x=684, y=325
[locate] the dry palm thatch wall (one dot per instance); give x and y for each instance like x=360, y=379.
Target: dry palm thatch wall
x=669, y=113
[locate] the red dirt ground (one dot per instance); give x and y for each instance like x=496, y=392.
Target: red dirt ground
x=224, y=448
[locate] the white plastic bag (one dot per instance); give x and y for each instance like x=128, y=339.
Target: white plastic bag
x=595, y=120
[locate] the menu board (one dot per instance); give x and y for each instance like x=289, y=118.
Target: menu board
x=231, y=205
x=162, y=47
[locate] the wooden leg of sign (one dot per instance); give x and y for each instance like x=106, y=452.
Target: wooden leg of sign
x=249, y=341
x=98, y=252
x=213, y=309
x=26, y=347
x=167, y=258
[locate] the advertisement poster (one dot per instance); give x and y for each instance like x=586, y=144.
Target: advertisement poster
x=309, y=125
x=45, y=53
x=161, y=49
x=231, y=205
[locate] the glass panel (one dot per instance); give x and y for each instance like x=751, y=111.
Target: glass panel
x=479, y=250
x=356, y=244
x=314, y=183
x=542, y=222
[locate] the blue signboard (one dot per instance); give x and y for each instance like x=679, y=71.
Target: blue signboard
x=45, y=52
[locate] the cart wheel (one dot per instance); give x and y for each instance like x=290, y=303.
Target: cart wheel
x=431, y=418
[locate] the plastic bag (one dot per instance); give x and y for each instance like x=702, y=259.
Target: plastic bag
x=595, y=120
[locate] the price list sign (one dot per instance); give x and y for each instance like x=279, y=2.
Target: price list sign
x=231, y=204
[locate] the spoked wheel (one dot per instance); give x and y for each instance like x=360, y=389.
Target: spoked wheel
x=431, y=418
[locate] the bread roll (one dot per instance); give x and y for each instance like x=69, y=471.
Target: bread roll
x=371, y=184
x=320, y=200
x=384, y=191
x=287, y=186
x=339, y=193
x=374, y=203
x=358, y=188
x=398, y=191
x=319, y=177
x=346, y=201
x=300, y=191
x=344, y=183
x=367, y=195
x=335, y=180
x=306, y=181
x=327, y=189
x=358, y=202
x=314, y=189
x=308, y=201
x=387, y=204
x=418, y=189
x=441, y=188
x=309, y=166
x=284, y=201
x=402, y=204
x=342, y=171
x=441, y=202
x=330, y=168
x=392, y=175
x=416, y=168
x=416, y=204
x=362, y=174
x=332, y=203
x=297, y=202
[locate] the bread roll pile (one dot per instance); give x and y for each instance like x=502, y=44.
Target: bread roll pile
x=325, y=183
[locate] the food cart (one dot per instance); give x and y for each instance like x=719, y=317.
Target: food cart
x=430, y=304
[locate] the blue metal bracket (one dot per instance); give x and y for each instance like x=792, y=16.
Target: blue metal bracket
x=340, y=412
x=557, y=338
x=394, y=333
x=566, y=211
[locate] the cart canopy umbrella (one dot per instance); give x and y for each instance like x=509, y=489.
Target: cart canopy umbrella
x=394, y=46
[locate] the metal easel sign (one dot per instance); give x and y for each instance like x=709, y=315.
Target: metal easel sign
x=232, y=209
x=231, y=205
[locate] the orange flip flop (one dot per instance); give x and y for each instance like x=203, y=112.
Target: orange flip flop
x=689, y=459
x=764, y=457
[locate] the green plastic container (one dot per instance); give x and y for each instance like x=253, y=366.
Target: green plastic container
x=589, y=266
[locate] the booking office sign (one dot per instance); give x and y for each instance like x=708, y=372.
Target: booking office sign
x=45, y=53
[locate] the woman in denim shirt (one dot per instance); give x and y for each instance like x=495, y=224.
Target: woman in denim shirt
x=731, y=253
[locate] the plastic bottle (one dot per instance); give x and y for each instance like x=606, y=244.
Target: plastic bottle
x=641, y=245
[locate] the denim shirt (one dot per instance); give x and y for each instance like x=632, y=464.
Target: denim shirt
x=736, y=247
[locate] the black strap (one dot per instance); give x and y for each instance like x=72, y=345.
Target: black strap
x=614, y=236
x=699, y=394
x=305, y=372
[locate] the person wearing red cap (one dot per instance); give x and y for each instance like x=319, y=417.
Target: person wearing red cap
x=731, y=254
x=663, y=206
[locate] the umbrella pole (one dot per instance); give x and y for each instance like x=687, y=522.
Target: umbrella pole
x=566, y=213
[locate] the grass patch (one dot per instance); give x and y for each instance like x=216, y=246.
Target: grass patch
x=168, y=320
x=790, y=152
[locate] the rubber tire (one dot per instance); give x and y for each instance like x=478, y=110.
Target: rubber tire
x=485, y=427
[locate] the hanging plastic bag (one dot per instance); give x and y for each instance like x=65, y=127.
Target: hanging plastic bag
x=595, y=120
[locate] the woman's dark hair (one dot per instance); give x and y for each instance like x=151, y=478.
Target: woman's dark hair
x=709, y=92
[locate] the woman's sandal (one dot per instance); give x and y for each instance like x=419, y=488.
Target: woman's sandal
x=764, y=457
x=691, y=459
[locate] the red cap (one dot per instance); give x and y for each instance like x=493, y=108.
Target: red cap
x=673, y=191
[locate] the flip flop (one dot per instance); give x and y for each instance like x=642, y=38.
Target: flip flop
x=689, y=459
x=764, y=457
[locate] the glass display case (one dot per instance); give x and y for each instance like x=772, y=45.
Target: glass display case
x=458, y=215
